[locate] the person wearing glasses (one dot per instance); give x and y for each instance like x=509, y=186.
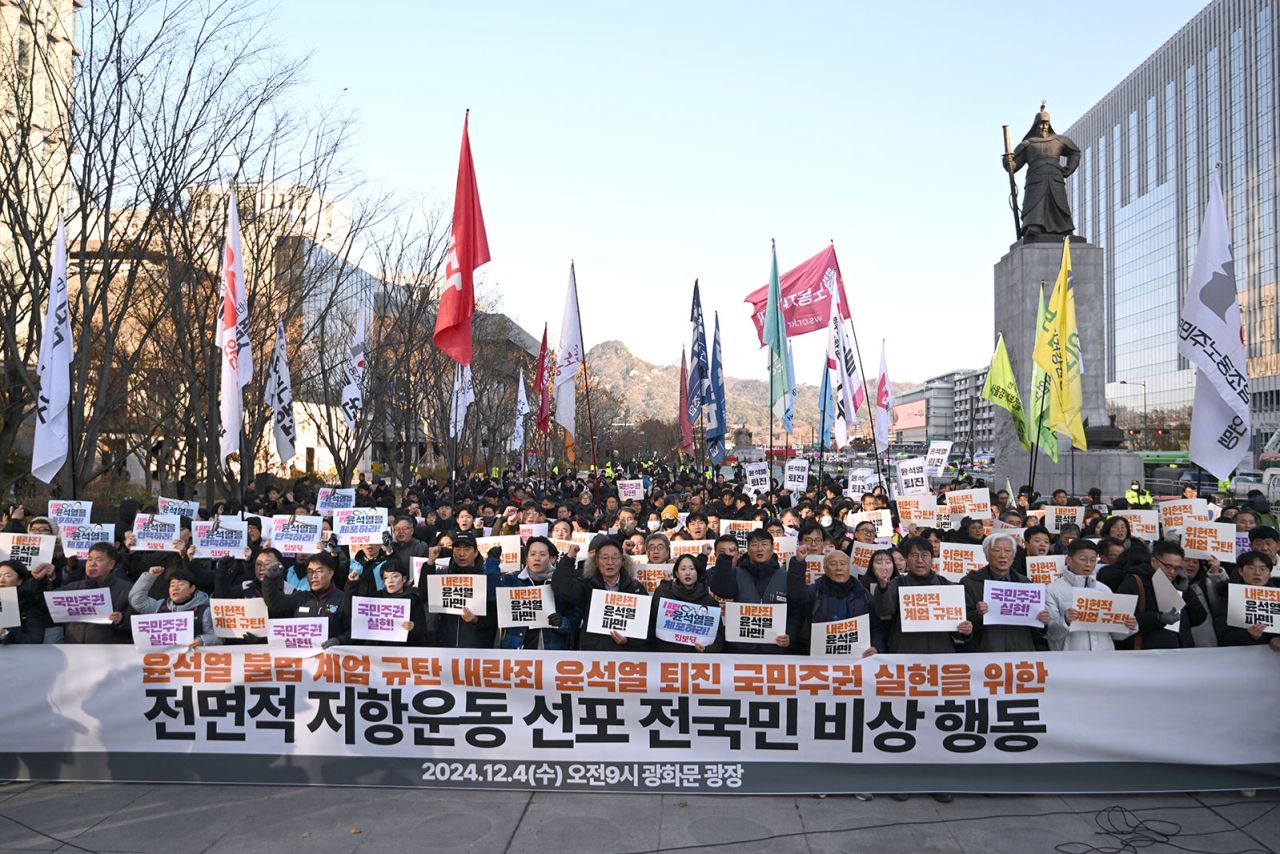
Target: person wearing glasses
x=1157, y=629
x=1082, y=557
x=322, y=600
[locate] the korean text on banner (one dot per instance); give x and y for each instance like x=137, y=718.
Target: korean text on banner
x=935, y=459
x=380, y=619
x=509, y=560
x=757, y=475
x=652, y=574
x=1175, y=514
x=882, y=519
x=360, y=526
x=80, y=606
x=686, y=623
x=919, y=510
x=631, y=490
x=1043, y=569
x=178, y=507
x=956, y=560
x=970, y=502
x=163, y=631
x=298, y=634
x=1055, y=517
x=78, y=539
x=1248, y=605
x=27, y=549
x=1210, y=539
x=329, y=499
x=1097, y=611
x=933, y=608
x=70, y=512
x=624, y=613
x=690, y=547
x=530, y=607
x=235, y=618
x=1012, y=604
x=841, y=637
x=296, y=535
x=747, y=623
x=912, y=479
x=156, y=533
x=533, y=529
x=226, y=537
x=860, y=556
x=449, y=594
x=1143, y=524
x=797, y=475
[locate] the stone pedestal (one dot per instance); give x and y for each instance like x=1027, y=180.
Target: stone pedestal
x=1018, y=277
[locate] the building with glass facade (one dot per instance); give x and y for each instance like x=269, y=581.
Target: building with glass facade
x=1208, y=96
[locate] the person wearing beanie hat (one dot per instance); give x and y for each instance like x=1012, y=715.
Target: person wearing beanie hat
x=183, y=596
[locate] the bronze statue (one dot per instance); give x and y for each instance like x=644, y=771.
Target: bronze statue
x=1045, y=210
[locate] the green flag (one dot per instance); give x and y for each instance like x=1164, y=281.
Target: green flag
x=1041, y=391
x=775, y=338
x=1001, y=388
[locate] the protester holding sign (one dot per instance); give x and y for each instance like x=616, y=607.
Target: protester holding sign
x=1000, y=552
x=754, y=579
x=183, y=596
x=607, y=570
x=1082, y=557
x=392, y=583
x=1254, y=569
x=919, y=574
x=836, y=596
x=1166, y=557
x=33, y=614
x=467, y=630
x=539, y=564
x=102, y=569
x=322, y=599
x=687, y=584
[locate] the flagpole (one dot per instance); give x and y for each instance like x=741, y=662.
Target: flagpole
x=867, y=403
x=768, y=455
x=586, y=385
x=1035, y=446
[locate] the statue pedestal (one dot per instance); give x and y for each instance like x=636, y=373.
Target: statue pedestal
x=1017, y=287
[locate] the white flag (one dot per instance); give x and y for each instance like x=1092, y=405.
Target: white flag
x=233, y=335
x=463, y=396
x=522, y=410
x=884, y=406
x=352, y=396
x=49, y=453
x=280, y=398
x=1209, y=336
x=570, y=360
x=845, y=374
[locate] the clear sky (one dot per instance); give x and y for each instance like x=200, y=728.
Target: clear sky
x=659, y=142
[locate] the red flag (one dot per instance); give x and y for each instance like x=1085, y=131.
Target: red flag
x=686, y=426
x=469, y=249
x=543, y=385
x=806, y=296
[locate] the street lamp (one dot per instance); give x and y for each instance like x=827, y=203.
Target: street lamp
x=1146, y=437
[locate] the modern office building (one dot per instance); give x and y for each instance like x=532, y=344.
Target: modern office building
x=974, y=419
x=924, y=414
x=1208, y=96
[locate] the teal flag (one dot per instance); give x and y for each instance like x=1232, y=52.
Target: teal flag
x=775, y=338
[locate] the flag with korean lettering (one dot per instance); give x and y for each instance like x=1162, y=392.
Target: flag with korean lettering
x=1211, y=339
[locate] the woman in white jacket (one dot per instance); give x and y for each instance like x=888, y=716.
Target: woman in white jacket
x=1082, y=557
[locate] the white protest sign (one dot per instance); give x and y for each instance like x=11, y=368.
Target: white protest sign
x=882, y=519
x=78, y=539
x=1167, y=596
x=689, y=547
x=912, y=479
x=530, y=607
x=796, y=477
x=956, y=560
x=163, y=631
x=624, y=613
x=739, y=528
x=1244, y=545
x=686, y=622
x=298, y=633
x=844, y=638
x=359, y=526
x=155, y=533
x=510, y=545
x=330, y=500
x=415, y=569
x=631, y=490
x=785, y=548
x=10, y=618
x=70, y=512
x=757, y=475
x=746, y=623
x=862, y=481
x=652, y=574
x=80, y=606
x=860, y=556
x=935, y=460
x=932, y=608
x=178, y=507
x=1098, y=611
x=1248, y=605
x=814, y=567
x=1176, y=514
x=1143, y=524
x=27, y=549
x=533, y=529
x=228, y=536
x=449, y=594
x=1055, y=517
x=920, y=510
x=1012, y=604
x=379, y=619
x=235, y=618
x=969, y=502
x=1209, y=539
x=1042, y=569
x=296, y=535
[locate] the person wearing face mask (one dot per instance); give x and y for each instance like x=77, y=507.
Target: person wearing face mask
x=393, y=583
x=686, y=584
x=755, y=579
x=539, y=564
x=605, y=570
x=183, y=596
x=670, y=518
x=102, y=568
x=626, y=522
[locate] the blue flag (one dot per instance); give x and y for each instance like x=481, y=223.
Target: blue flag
x=699, y=373
x=716, y=427
x=826, y=409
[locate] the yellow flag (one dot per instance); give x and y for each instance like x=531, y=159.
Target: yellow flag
x=1058, y=353
x=1001, y=388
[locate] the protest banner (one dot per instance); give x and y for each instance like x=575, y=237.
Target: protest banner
x=802, y=725
x=652, y=574
x=919, y=510
x=27, y=549
x=359, y=526
x=796, y=477
x=80, y=606
x=1043, y=569
x=784, y=548
x=1176, y=514
x=449, y=594
x=583, y=540
x=162, y=631
x=528, y=607
x=975, y=503
x=631, y=490
x=330, y=500
x=814, y=567
x=935, y=459
x=78, y=539
x=380, y=618
x=860, y=556
x=509, y=561
x=882, y=519
x=1143, y=524
x=862, y=481
x=156, y=533
x=563, y=546
x=235, y=618
x=850, y=637
x=686, y=623
x=10, y=617
x=1055, y=517
x=932, y=608
x=1248, y=605
x=912, y=479
x=178, y=507
x=1012, y=604
x=747, y=623
x=298, y=633
x=226, y=536
x=624, y=613
x=1209, y=539
x=739, y=528
x=296, y=535
x=70, y=512
x=757, y=475
x=534, y=529
x=956, y=560
x=690, y=547
x=1098, y=611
